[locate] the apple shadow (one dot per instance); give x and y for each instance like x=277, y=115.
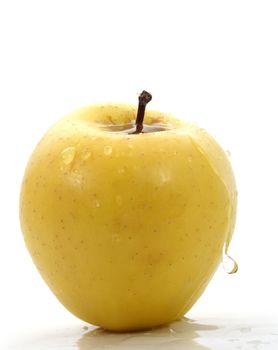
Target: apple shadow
x=182, y=334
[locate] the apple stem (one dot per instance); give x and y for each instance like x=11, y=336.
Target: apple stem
x=144, y=98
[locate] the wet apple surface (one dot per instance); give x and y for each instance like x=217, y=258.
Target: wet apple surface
x=127, y=229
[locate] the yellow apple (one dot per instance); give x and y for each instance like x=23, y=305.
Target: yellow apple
x=127, y=229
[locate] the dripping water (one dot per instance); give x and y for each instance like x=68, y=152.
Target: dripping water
x=228, y=263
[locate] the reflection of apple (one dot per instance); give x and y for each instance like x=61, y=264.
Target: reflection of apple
x=127, y=229
x=181, y=334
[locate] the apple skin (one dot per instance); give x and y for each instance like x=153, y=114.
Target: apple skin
x=127, y=230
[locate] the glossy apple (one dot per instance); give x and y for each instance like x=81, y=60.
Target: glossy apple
x=127, y=229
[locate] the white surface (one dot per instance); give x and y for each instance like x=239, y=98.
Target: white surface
x=213, y=62
x=216, y=334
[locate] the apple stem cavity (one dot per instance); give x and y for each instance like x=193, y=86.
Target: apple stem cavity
x=144, y=98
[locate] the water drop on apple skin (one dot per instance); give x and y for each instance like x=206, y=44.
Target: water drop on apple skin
x=121, y=170
x=85, y=155
x=228, y=263
x=115, y=237
x=165, y=177
x=107, y=150
x=68, y=155
x=96, y=203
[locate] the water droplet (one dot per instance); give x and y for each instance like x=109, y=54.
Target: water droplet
x=189, y=158
x=228, y=153
x=164, y=176
x=130, y=145
x=68, y=155
x=86, y=154
x=245, y=329
x=172, y=330
x=228, y=263
x=107, y=150
x=96, y=203
x=121, y=170
x=115, y=237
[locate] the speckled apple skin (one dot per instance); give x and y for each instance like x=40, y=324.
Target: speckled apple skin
x=127, y=230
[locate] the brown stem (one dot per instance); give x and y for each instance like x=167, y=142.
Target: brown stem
x=144, y=98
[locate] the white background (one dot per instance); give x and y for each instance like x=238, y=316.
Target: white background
x=211, y=62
